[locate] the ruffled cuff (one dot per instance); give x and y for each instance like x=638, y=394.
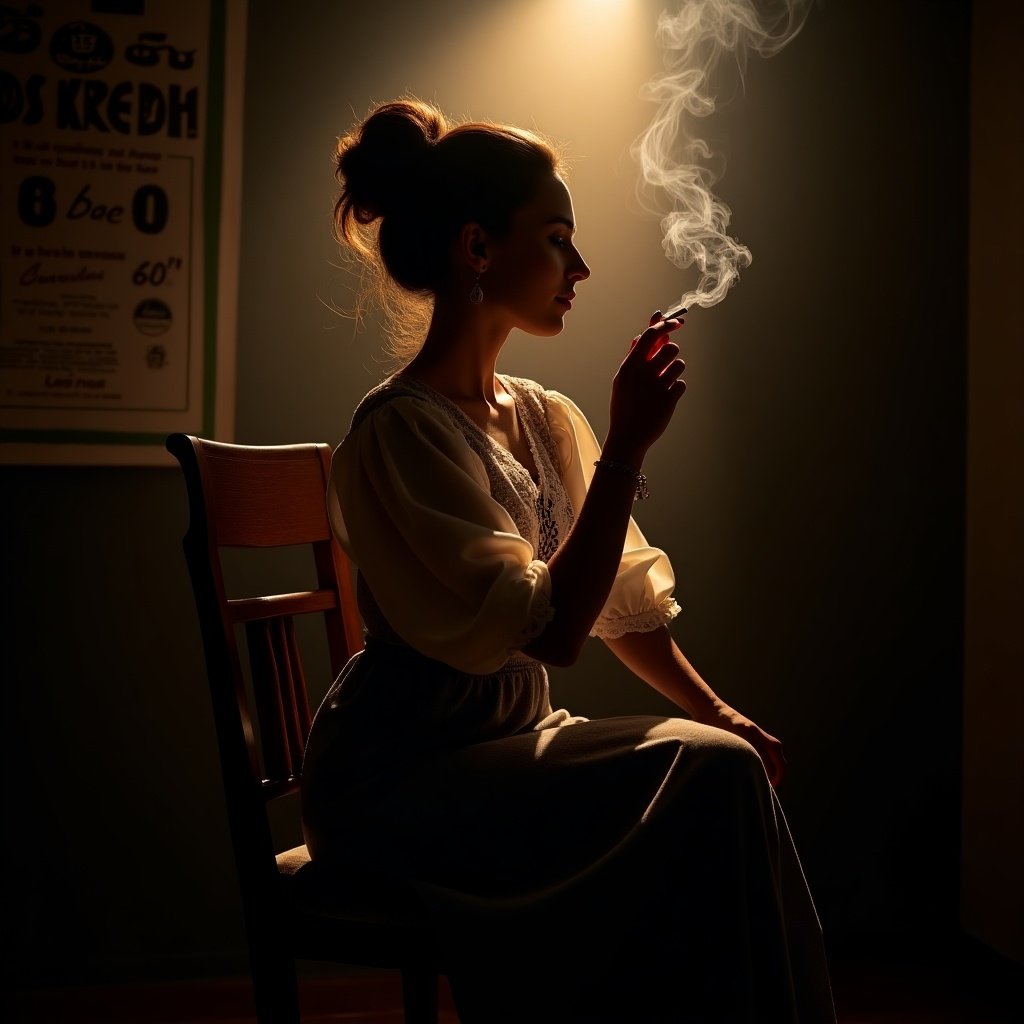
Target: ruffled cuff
x=642, y=622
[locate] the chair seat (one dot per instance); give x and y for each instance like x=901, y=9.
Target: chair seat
x=365, y=916
x=292, y=861
x=353, y=896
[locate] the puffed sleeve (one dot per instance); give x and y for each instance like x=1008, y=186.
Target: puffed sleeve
x=410, y=503
x=641, y=596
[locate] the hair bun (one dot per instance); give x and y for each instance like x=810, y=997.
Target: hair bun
x=410, y=182
x=380, y=162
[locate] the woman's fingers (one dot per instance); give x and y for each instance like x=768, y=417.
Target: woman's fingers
x=776, y=765
x=771, y=753
x=658, y=327
x=652, y=339
x=665, y=354
x=667, y=366
x=768, y=747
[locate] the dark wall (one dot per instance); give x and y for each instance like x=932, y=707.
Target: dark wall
x=810, y=492
x=992, y=885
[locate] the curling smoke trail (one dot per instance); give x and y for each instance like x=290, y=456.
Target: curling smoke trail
x=673, y=161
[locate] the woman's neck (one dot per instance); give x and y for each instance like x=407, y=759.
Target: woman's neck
x=460, y=352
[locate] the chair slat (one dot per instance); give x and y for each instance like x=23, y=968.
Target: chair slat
x=286, y=656
x=249, y=609
x=266, y=684
x=300, y=694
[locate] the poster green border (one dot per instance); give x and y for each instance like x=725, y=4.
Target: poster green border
x=213, y=173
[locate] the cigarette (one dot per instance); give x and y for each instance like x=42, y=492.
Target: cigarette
x=675, y=316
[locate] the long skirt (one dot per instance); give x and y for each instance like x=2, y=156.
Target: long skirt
x=628, y=869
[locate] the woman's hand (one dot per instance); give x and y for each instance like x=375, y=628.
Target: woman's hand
x=656, y=659
x=768, y=747
x=645, y=391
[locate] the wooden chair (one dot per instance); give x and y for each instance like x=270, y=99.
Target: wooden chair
x=272, y=497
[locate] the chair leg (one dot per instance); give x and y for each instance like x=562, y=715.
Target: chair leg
x=419, y=995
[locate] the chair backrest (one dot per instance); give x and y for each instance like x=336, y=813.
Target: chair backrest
x=262, y=497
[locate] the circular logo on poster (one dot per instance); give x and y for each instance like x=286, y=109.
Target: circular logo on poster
x=152, y=317
x=81, y=47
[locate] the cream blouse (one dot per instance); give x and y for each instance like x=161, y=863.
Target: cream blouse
x=451, y=535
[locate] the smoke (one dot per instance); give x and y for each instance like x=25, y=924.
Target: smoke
x=675, y=163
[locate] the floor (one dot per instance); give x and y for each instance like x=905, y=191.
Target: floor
x=865, y=994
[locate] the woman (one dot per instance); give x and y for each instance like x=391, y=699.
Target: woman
x=630, y=869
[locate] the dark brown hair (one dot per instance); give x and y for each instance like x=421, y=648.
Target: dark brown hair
x=410, y=182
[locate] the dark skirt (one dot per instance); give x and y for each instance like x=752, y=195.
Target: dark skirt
x=625, y=869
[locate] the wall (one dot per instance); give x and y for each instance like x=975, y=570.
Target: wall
x=810, y=491
x=993, y=821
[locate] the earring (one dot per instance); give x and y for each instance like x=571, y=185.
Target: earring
x=476, y=295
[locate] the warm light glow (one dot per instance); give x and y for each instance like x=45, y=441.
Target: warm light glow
x=573, y=71
x=600, y=6
x=595, y=18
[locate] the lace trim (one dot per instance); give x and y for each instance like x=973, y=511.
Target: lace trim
x=547, y=532
x=533, y=404
x=642, y=622
x=555, y=514
x=541, y=509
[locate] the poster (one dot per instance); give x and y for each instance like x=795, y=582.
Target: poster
x=120, y=124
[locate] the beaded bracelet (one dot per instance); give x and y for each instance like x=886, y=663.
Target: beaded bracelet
x=641, y=493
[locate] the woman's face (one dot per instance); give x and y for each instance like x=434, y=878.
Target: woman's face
x=533, y=269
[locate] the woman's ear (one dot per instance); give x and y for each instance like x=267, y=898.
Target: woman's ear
x=473, y=247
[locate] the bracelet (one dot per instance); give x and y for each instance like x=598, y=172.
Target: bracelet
x=641, y=493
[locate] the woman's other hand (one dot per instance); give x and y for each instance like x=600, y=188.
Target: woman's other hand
x=768, y=747
x=656, y=658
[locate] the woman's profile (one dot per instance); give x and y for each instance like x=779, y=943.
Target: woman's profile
x=625, y=869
